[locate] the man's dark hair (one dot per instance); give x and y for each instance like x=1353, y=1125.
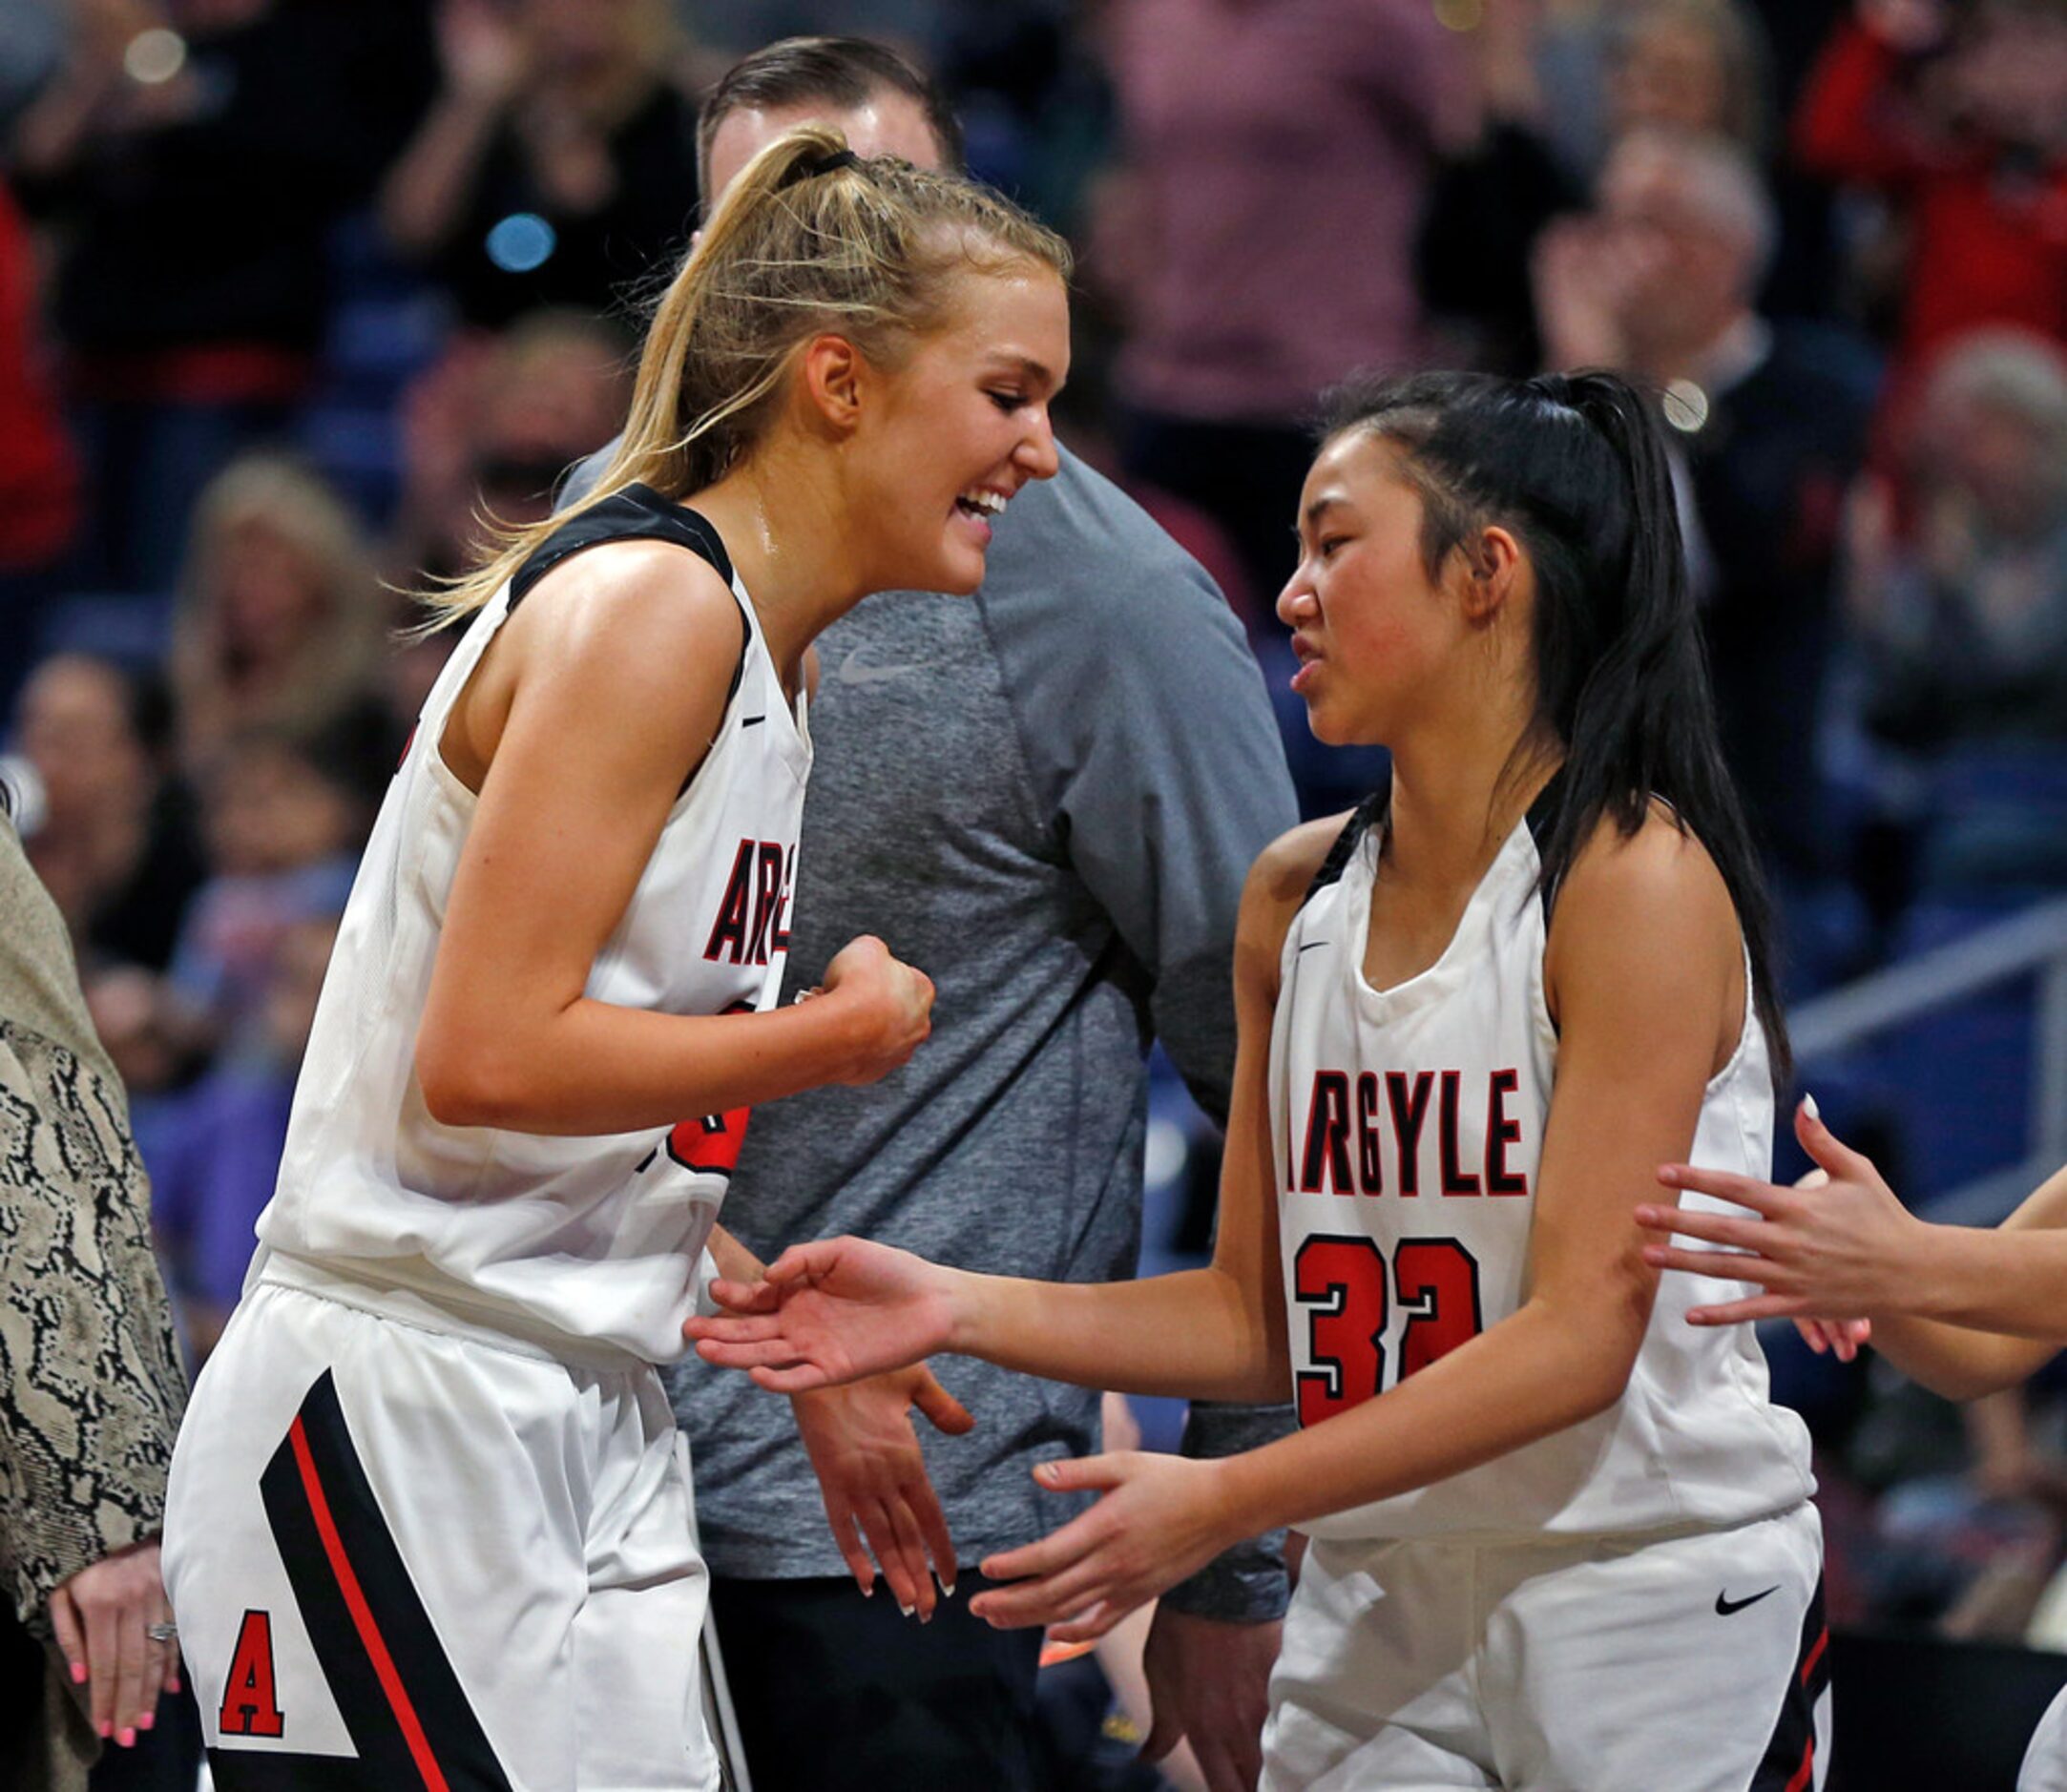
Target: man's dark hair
x=839, y=72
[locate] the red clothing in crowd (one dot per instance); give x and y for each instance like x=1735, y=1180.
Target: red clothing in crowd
x=1990, y=237
x=39, y=476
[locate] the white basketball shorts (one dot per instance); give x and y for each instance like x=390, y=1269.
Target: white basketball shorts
x=404, y=1556
x=2045, y=1761
x=1689, y=1663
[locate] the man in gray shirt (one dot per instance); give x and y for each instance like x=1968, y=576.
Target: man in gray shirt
x=1047, y=796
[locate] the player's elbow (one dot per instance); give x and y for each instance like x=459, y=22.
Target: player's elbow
x=1591, y=1373
x=464, y=1082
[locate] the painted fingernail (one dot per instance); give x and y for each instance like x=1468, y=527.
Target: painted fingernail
x=79, y=1674
x=127, y=1740
x=148, y=1721
x=105, y=1728
x=1808, y=1106
x=947, y=1589
x=907, y=1609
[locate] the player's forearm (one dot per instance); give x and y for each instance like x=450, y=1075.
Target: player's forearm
x=734, y=1261
x=1530, y=1376
x=1197, y=1334
x=1955, y=1362
x=2011, y=1280
x=594, y=1068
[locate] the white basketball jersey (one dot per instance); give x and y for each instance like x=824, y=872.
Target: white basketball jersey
x=1407, y=1125
x=564, y=1240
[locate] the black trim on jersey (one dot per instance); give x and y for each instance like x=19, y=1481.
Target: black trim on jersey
x=636, y=514
x=270, y=1770
x=1372, y=809
x=1791, y=1747
x=456, y=1741
x=1542, y=817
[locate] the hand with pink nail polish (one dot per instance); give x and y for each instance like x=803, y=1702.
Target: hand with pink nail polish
x=101, y=1618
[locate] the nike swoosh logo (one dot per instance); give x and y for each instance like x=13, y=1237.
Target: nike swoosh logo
x=1726, y=1607
x=1314, y=946
x=747, y=721
x=853, y=672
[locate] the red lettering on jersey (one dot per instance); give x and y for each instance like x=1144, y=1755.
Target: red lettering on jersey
x=250, y=1706
x=782, y=902
x=1456, y=1179
x=1327, y=1135
x=1501, y=1133
x=1340, y=1281
x=767, y=896
x=728, y=932
x=1437, y=1280
x=1369, y=1158
x=712, y=1144
x=1409, y=1113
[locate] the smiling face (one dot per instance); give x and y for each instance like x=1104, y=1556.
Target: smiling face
x=1374, y=635
x=960, y=426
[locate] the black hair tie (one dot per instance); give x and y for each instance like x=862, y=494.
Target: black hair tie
x=828, y=164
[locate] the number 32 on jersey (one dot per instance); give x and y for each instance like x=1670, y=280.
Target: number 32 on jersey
x=1349, y=1292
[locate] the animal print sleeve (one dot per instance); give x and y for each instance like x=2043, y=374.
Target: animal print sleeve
x=91, y=1386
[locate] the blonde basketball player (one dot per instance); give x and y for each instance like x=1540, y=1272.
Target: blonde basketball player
x=1560, y=1540
x=429, y=1519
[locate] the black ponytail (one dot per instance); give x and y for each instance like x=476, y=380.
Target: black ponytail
x=1574, y=467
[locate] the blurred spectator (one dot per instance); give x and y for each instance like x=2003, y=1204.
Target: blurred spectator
x=213, y=1149
x=39, y=476
x=1611, y=66
x=1965, y=622
x=493, y=427
x=281, y=618
x=191, y=155
x=283, y=834
x=1492, y=195
x=1770, y=420
x=557, y=162
x=1962, y=617
x=1261, y=232
x=114, y=838
x=1962, y=116
x=1690, y=65
x=284, y=829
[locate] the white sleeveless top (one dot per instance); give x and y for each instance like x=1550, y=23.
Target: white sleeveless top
x=1407, y=1125
x=562, y=1242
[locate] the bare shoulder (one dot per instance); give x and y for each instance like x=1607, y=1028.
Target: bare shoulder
x=632, y=604
x=632, y=642
x=1278, y=883
x=1644, y=920
x=1660, y=875
x=1285, y=870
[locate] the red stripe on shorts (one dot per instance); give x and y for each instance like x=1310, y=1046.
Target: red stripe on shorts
x=1815, y=1655
x=370, y=1630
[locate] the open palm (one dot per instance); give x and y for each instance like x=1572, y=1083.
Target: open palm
x=833, y=1311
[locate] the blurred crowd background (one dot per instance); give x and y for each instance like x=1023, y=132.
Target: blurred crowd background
x=294, y=293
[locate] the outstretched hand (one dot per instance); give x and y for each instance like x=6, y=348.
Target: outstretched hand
x=1840, y=1252
x=828, y=1312
x=871, y=1474
x=1161, y=1520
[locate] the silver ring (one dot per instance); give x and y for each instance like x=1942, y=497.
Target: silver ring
x=162, y=1633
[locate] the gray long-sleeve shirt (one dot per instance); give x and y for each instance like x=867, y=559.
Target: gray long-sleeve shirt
x=1047, y=798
